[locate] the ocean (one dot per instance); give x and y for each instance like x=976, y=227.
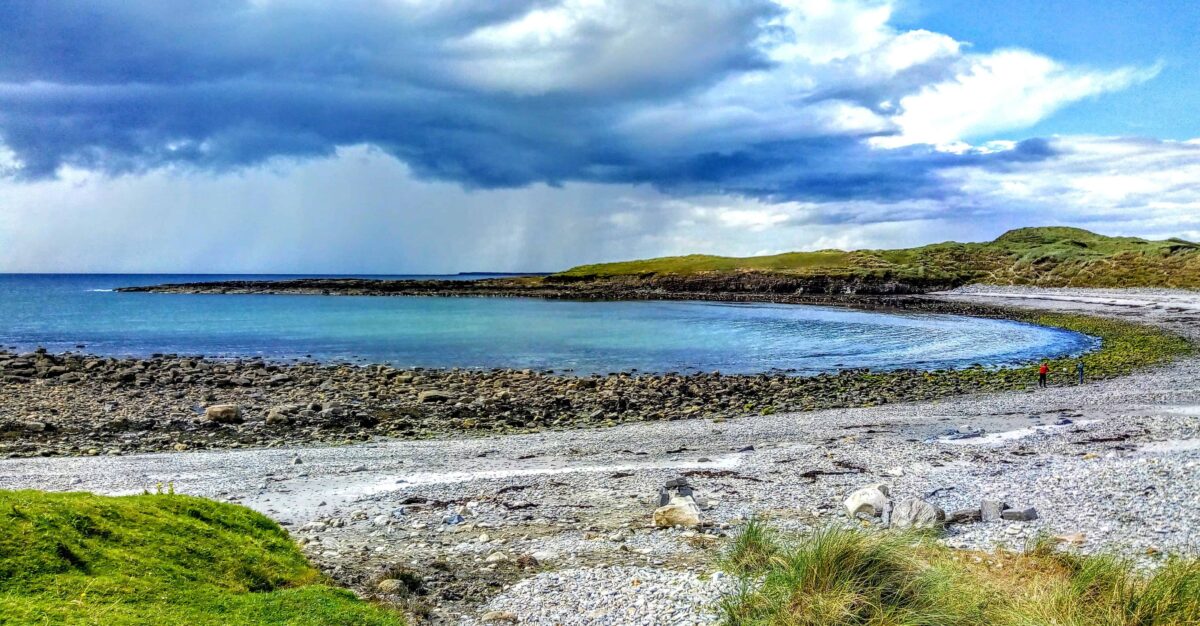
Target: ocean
x=80, y=312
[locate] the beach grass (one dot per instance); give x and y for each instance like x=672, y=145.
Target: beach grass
x=840, y=577
x=79, y=558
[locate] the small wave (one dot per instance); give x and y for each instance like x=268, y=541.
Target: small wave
x=100, y=290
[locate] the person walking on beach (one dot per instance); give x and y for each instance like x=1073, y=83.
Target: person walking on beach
x=1042, y=372
x=1079, y=370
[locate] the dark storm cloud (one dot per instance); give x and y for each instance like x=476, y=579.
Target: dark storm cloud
x=122, y=86
x=833, y=169
x=486, y=94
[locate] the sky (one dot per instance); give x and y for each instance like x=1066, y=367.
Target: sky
x=438, y=136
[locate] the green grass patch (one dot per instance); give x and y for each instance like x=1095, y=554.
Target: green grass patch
x=753, y=549
x=78, y=558
x=1047, y=257
x=1124, y=349
x=837, y=577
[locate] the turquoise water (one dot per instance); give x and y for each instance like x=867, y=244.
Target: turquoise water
x=77, y=312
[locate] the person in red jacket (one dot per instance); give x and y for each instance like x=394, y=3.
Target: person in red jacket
x=1042, y=372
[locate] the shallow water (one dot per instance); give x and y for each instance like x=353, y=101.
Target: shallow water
x=68, y=312
x=1006, y=436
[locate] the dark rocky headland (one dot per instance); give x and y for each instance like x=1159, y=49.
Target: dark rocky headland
x=724, y=286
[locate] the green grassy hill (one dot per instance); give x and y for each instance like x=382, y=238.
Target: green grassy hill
x=1048, y=256
x=78, y=558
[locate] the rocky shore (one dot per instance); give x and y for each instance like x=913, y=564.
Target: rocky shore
x=76, y=404
x=72, y=404
x=559, y=526
x=724, y=286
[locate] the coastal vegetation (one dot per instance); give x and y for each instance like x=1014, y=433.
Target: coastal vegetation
x=1046, y=257
x=1124, y=348
x=78, y=558
x=840, y=577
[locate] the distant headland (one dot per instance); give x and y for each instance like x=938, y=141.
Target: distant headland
x=1043, y=257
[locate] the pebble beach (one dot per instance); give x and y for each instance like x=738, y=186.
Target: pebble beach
x=555, y=527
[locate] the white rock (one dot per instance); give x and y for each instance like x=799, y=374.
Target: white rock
x=679, y=511
x=390, y=585
x=544, y=556
x=872, y=500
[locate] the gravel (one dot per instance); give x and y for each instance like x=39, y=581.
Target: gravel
x=1112, y=464
x=613, y=595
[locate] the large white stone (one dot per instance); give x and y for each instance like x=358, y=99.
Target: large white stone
x=679, y=511
x=872, y=500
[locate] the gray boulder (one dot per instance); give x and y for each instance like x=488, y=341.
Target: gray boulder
x=964, y=516
x=917, y=513
x=1020, y=515
x=674, y=487
x=991, y=510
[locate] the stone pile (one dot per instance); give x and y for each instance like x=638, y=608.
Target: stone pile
x=677, y=505
x=875, y=502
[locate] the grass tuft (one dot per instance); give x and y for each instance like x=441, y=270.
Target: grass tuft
x=836, y=576
x=753, y=548
x=1105, y=590
x=839, y=577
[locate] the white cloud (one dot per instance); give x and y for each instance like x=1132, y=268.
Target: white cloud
x=9, y=163
x=605, y=46
x=1130, y=186
x=753, y=220
x=824, y=31
x=1002, y=91
x=841, y=69
x=492, y=93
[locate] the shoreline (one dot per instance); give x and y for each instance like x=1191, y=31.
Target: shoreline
x=77, y=404
x=550, y=516
x=725, y=287
x=900, y=305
